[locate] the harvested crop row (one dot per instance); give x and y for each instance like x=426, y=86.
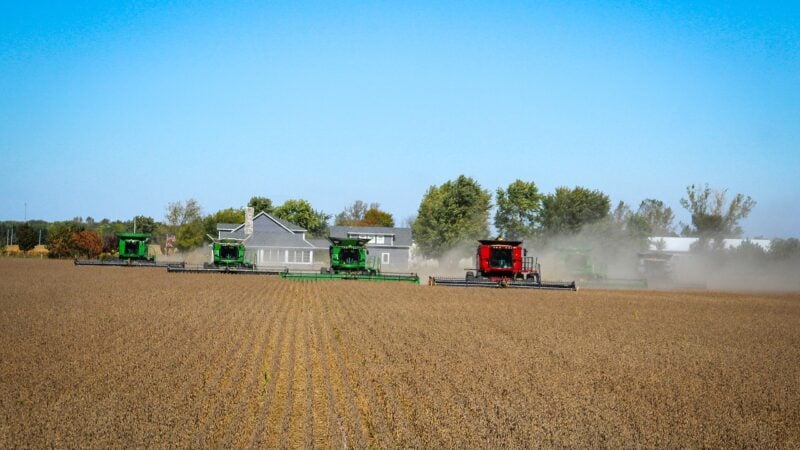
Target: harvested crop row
x=105, y=357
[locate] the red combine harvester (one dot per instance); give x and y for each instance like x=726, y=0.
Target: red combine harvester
x=500, y=263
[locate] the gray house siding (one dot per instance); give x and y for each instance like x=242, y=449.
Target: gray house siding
x=395, y=245
x=398, y=258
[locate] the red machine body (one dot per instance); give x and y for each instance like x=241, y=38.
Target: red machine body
x=499, y=260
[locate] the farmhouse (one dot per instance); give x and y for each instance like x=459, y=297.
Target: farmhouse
x=392, y=245
x=272, y=242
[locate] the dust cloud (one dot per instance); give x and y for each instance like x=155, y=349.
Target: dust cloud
x=595, y=259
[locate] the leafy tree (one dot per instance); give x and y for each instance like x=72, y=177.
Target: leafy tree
x=655, y=218
x=374, y=217
x=179, y=213
x=60, y=241
x=711, y=218
x=190, y=235
x=144, y=224
x=260, y=204
x=229, y=215
x=88, y=243
x=568, y=210
x=784, y=249
x=361, y=214
x=518, y=210
x=353, y=214
x=26, y=237
x=452, y=213
x=300, y=213
x=186, y=221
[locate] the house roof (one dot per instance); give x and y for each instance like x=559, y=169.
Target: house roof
x=402, y=236
x=320, y=243
x=276, y=239
x=285, y=223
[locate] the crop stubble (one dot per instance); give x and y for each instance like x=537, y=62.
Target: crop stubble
x=101, y=356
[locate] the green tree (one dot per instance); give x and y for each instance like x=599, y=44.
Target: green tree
x=144, y=224
x=518, y=210
x=229, y=215
x=260, y=204
x=300, y=212
x=26, y=237
x=186, y=222
x=713, y=218
x=352, y=215
x=568, y=210
x=190, y=235
x=784, y=249
x=455, y=212
x=179, y=213
x=655, y=218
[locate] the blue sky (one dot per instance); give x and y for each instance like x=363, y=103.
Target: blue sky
x=114, y=109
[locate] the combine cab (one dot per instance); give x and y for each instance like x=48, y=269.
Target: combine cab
x=132, y=252
x=227, y=255
x=350, y=260
x=502, y=263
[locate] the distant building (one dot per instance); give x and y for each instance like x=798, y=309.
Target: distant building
x=273, y=243
x=678, y=245
x=392, y=245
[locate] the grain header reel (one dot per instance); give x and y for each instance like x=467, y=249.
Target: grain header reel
x=350, y=260
x=133, y=251
x=504, y=264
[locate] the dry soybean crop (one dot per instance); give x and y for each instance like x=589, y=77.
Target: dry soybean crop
x=138, y=357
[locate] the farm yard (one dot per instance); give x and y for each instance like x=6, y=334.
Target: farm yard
x=111, y=356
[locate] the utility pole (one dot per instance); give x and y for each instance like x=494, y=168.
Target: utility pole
x=26, y=211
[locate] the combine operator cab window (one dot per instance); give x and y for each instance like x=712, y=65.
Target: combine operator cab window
x=501, y=258
x=348, y=256
x=131, y=247
x=228, y=252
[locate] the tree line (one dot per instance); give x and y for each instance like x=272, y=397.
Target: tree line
x=456, y=212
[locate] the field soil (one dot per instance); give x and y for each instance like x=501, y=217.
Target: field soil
x=138, y=357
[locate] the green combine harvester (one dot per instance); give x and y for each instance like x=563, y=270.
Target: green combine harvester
x=580, y=264
x=133, y=252
x=227, y=256
x=350, y=260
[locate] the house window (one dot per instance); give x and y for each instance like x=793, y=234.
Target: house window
x=379, y=239
x=300, y=256
x=384, y=258
x=274, y=255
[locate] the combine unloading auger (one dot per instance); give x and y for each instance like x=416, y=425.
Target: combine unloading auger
x=132, y=253
x=350, y=260
x=503, y=264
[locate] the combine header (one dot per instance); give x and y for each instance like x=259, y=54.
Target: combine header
x=132, y=252
x=350, y=260
x=504, y=264
x=227, y=256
